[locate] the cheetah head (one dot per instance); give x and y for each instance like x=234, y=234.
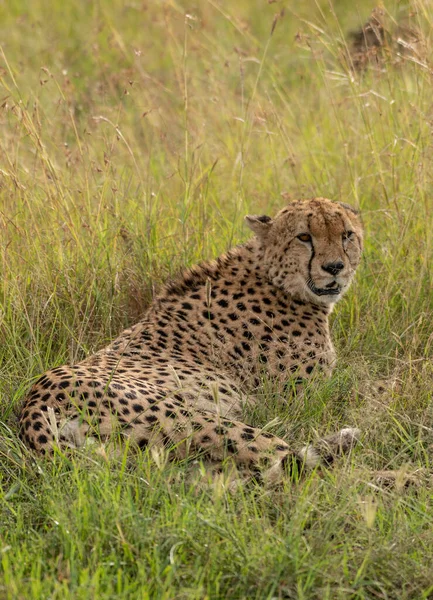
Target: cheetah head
x=311, y=248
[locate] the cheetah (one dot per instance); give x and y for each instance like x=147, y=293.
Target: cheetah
x=178, y=378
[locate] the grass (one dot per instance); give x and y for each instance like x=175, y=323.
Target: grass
x=135, y=137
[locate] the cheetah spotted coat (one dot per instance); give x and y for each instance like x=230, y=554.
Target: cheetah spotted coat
x=178, y=378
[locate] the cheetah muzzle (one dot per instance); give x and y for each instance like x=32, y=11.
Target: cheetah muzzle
x=179, y=377
x=332, y=289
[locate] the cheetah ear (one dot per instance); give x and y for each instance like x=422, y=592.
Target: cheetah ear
x=349, y=208
x=261, y=225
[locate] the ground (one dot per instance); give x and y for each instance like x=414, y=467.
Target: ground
x=135, y=137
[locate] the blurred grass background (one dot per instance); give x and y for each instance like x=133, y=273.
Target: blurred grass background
x=134, y=138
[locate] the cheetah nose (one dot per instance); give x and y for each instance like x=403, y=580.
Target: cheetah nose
x=333, y=267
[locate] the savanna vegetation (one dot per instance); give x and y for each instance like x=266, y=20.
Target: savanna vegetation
x=134, y=138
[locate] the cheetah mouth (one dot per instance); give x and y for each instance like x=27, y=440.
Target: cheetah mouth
x=332, y=289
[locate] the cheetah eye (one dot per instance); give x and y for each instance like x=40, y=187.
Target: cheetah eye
x=304, y=237
x=347, y=235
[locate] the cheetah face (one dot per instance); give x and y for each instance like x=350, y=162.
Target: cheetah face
x=311, y=249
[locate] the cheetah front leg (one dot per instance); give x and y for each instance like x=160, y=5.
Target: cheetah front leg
x=218, y=439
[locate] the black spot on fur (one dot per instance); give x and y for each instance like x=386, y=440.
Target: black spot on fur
x=231, y=446
x=220, y=430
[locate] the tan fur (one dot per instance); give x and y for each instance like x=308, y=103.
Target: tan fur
x=178, y=377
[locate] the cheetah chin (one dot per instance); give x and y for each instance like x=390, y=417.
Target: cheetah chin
x=330, y=290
